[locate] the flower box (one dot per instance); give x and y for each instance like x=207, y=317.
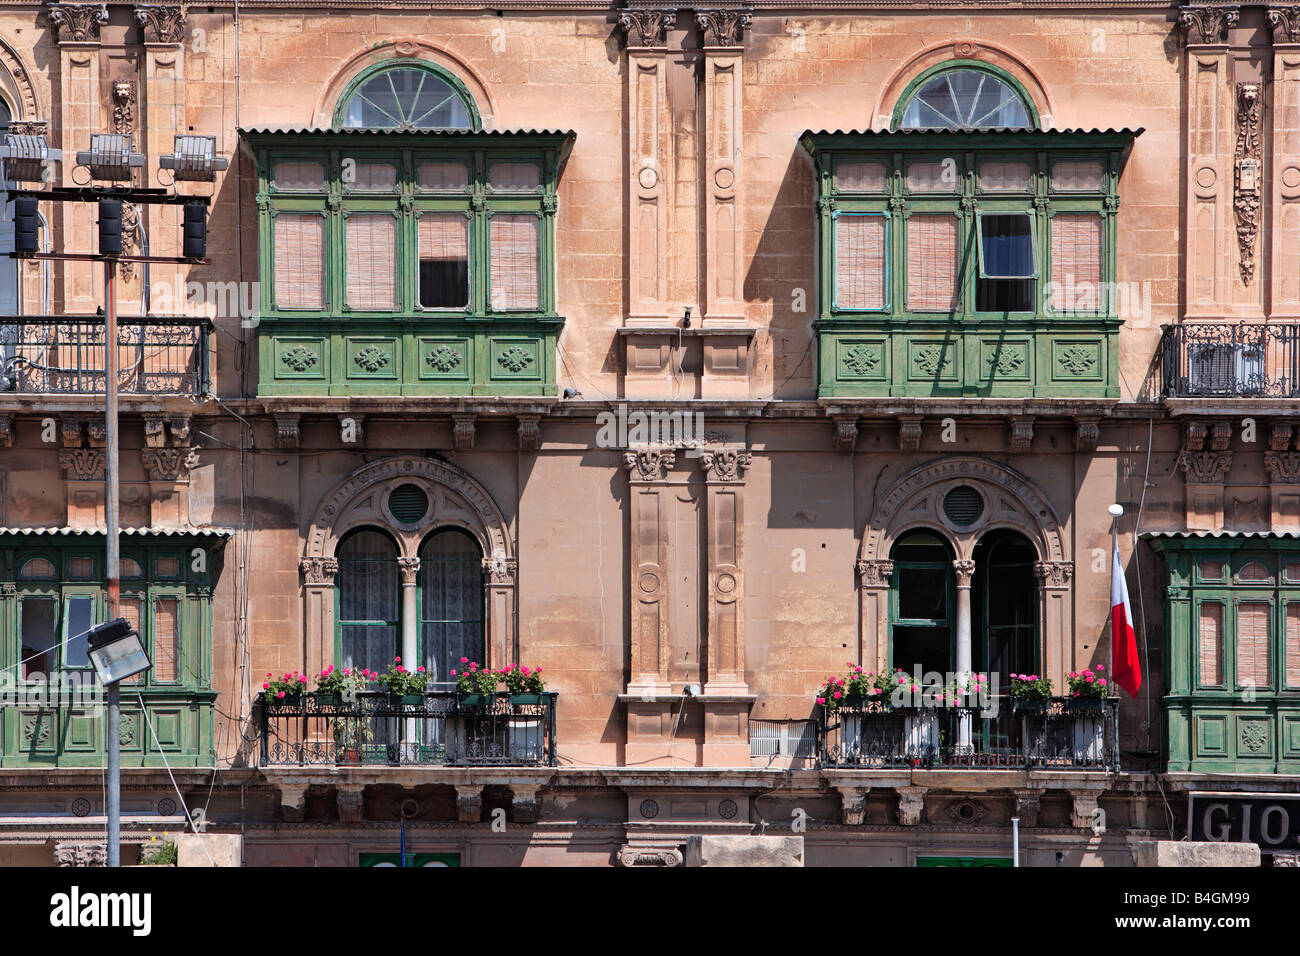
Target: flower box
x=327, y=700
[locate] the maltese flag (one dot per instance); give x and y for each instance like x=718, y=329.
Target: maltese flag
x=1125, y=669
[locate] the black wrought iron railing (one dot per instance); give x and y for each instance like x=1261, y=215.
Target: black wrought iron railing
x=1061, y=733
x=156, y=355
x=1259, y=360
x=435, y=728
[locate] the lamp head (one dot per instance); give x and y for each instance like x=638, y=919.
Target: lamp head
x=1116, y=510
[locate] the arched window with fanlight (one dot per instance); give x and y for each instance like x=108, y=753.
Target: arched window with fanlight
x=965, y=95
x=451, y=602
x=407, y=94
x=368, y=600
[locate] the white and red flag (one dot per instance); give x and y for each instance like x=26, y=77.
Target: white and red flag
x=1125, y=667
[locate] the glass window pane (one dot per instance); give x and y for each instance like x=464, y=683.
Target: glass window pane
x=406, y=98
x=38, y=569
x=298, y=175
x=1211, y=644
x=81, y=568
x=169, y=567
x=299, y=261
x=1211, y=570
x=79, y=618
x=1076, y=262
x=372, y=262
x=1254, y=572
x=371, y=177
x=451, y=616
x=865, y=177
x=933, y=177
x=37, y=635
x=965, y=99
x=436, y=176
x=860, y=262
x=1005, y=176
x=131, y=568
x=514, y=253
x=1086, y=176
x=514, y=177
x=931, y=263
x=1253, y=644
x=922, y=593
x=1007, y=244
x=166, y=638
x=368, y=600
x=444, y=261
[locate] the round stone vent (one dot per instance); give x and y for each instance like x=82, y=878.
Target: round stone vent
x=408, y=503
x=963, y=506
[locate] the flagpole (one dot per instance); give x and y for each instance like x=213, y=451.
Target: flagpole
x=1116, y=512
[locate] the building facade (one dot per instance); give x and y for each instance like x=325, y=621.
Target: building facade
x=690, y=355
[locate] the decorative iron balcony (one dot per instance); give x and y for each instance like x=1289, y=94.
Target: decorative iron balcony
x=1230, y=361
x=156, y=355
x=434, y=728
x=1062, y=733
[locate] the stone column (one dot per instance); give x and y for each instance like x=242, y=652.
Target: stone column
x=162, y=116
x=76, y=29
x=873, y=596
x=726, y=720
x=318, y=612
x=964, y=569
x=650, y=512
x=1055, y=619
x=410, y=572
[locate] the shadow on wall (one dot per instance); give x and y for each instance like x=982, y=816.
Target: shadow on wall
x=784, y=272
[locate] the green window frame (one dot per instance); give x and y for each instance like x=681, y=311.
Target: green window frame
x=964, y=65
x=432, y=71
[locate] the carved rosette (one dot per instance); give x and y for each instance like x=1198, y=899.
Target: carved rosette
x=161, y=24
x=409, y=569
x=1249, y=171
x=500, y=570
x=647, y=28
x=1283, y=467
x=648, y=464
x=319, y=572
x=964, y=570
x=1205, y=467
x=875, y=574
x=77, y=22
x=82, y=464
x=1285, y=23
x=1054, y=574
x=726, y=464
x=169, y=464
x=1208, y=24
x=724, y=27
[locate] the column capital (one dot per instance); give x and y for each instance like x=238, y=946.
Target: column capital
x=409, y=568
x=1206, y=23
x=1054, y=574
x=169, y=464
x=77, y=22
x=911, y=805
x=875, y=574
x=964, y=569
x=319, y=572
x=725, y=27
x=81, y=854
x=1283, y=467
x=1205, y=467
x=647, y=28
x=161, y=23
x=500, y=569
x=650, y=463
x=1285, y=22
x=726, y=464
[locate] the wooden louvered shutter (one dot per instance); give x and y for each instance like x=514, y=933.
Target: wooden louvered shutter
x=1076, y=262
x=514, y=272
x=372, y=262
x=1210, y=651
x=166, y=638
x=860, y=262
x=129, y=608
x=444, y=236
x=299, y=261
x=931, y=263
x=1253, y=644
x=1292, y=649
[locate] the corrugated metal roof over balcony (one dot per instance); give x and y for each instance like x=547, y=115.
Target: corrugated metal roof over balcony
x=141, y=532
x=487, y=134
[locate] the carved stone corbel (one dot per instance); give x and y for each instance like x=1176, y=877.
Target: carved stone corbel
x=81, y=854
x=155, y=431
x=1022, y=434
x=649, y=856
x=1027, y=806
x=1205, y=467
x=853, y=805
x=846, y=433
x=911, y=805
x=469, y=803
x=463, y=432
x=523, y=801
x=909, y=432
x=1220, y=436
x=6, y=431
x=352, y=805
x=288, y=430
x=1279, y=438
x=530, y=432
x=1195, y=436
x=1084, y=809
x=1087, y=432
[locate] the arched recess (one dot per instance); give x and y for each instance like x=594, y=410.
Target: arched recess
x=977, y=51
x=452, y=499
x=17, y=86
x=394, y=50
x=1006, y=499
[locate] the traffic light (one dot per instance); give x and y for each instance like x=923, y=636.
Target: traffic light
x=26, y=224
x=110, y=227
x=195, y=243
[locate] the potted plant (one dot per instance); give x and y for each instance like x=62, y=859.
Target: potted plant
x=336, y=686
x=286, y=690
x=1088, y=690
x=406, y=687
x=351, y=734
x=1030, y=692
x=474, y=685
x=524, y=684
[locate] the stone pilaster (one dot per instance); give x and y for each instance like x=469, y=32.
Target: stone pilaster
x=650, y=512
x=318, y=612
x=1205, y=473
x=1055, y=618
x=1284, y=152
x=873, y=600
x=1284, y=488
x=169, y=482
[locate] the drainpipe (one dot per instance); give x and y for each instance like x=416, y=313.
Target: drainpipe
x=1015, y=841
